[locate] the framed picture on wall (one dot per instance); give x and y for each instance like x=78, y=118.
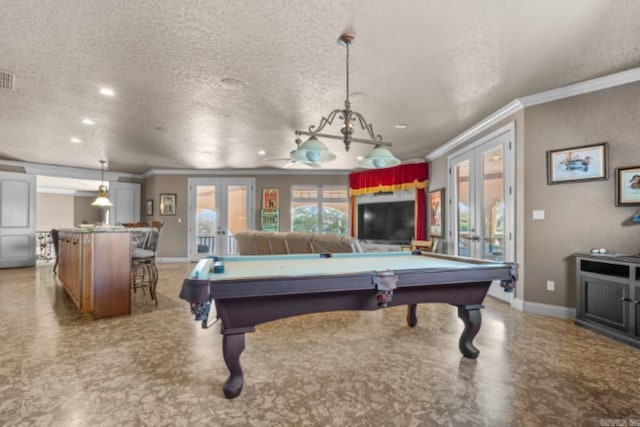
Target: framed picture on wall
x=628, y=186
x=149, y=211
x=167, y=204
x=270, y=198
x=575, y=164
x=436, y=212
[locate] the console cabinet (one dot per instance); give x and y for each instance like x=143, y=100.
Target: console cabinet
x=608, y=291
x=95, y=270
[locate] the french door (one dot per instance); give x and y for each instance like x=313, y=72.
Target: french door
x=481, y=182
x=218, y=208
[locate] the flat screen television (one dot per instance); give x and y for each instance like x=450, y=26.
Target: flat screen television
x=387, y=222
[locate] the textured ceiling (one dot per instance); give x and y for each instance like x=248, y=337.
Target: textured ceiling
x=437, y=66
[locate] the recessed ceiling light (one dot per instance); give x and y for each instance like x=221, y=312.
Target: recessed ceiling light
x=88, y=122
x=359, y=158
x=107, y=92
x=232, y=84
x=262, y=152
x=76, y=140
x=401, y=126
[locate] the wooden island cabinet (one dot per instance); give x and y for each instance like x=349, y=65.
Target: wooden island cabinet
x=95, y=269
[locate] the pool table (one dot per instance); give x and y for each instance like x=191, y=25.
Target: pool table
x=250, y=290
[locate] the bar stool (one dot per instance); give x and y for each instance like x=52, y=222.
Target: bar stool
x=54, y=241
x=144, y=273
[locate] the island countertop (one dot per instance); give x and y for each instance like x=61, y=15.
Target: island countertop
x=105, y=229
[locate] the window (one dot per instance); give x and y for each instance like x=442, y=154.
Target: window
x=320, y=209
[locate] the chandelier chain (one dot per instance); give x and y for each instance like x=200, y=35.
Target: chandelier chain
x=347, y=74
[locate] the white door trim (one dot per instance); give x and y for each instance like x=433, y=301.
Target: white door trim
x=508, y=132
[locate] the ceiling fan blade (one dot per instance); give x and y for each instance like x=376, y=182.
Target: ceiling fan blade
x=293, y=163
x=283, y=159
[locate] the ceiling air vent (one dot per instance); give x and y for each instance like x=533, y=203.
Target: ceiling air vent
x=7, y=80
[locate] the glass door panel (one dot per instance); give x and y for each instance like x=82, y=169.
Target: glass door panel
x=493, y=204
x=206, y=219
x=218, y=208
x=463, y=208
x=238, y=199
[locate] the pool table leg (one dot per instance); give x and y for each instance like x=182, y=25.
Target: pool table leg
x=412, y=319
x=232, y=347
x=470, y=315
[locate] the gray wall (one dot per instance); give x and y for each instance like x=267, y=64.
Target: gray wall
x=578, y=216
x=84, y=213
x=53, y=211
x=64, y=211
x=173, y=242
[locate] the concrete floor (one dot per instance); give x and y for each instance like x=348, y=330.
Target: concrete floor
x=158, y=367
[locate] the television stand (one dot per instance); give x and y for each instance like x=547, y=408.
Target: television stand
x=608, y=289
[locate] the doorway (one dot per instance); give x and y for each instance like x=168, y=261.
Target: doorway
x=218, y=209
x=481, y=183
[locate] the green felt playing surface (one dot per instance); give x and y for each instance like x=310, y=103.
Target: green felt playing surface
x=246, y=267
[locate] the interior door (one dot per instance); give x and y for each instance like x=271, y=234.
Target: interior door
x=481, y=180
x=125, y=197
x=17, y=220
x=218, y=209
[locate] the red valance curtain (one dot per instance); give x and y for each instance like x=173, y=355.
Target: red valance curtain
x=402, y=177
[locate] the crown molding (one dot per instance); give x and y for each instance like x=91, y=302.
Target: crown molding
x=68, y=171
x=62, y=191
x=243, y=172
x=67, y=192
x=94, y=174
x=587, y=86
x=506, y=111
x=576, y=89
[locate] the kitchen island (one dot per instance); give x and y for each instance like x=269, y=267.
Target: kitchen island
x=95, y=269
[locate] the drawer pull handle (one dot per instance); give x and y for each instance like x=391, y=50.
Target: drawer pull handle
x=623, y=299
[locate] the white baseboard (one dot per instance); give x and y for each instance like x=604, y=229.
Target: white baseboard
x=544, y=309
x=549, y=310
x=518, y=304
